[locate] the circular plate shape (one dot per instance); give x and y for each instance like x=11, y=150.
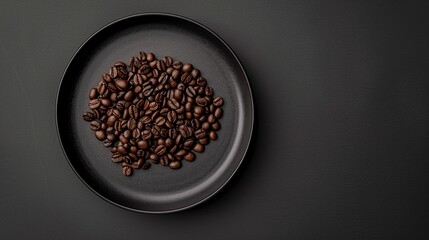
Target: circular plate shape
x=158, y=189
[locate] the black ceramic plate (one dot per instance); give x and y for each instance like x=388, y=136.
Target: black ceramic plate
x=158, y=189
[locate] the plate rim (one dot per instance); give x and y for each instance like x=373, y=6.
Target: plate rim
x=251, y=111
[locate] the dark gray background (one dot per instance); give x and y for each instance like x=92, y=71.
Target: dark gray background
x=341, y=140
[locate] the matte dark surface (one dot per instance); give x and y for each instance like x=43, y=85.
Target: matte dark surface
x=341, y=139
x=159, y=189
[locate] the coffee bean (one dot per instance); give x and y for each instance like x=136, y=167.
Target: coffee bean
x=218, y=101
x=121, y=84
x=177, y=65
x=111, y=120
x=95, y=125
x=100, y=135
x=146, y=166
x=213, y=135
x=173, y=104
x=88, y=116
x=216, y=126
x=133, y=111
x=95, y=103
x=190, y=92
x=200, y=133
x=187, y=67
x=218, y=113
x=199, y=148
x=175, y=165
x=116, y=158
x=201, y=82
x=160, y=121
x=127, y=171
x=93, y=94
x=195, y=73
x=143, y=144
x=206, y=126
x=190, y=156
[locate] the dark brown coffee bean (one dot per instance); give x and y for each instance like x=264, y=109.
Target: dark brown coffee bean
x=95, y=103
x=213, y=135
x=146, y=166
x=146, y=134
x=190, y=92
x=133, y=111
x=95, y=125
x=187, y=67
x=100, y=135
x=216, y=126
x=206, y=126
x=195, y=73
x=173, y=104
x=218, y=113
x=143, y=144
x=129, y=96
x=136, y=133
x=201, y=82
x=188, y=143
x=200, y=133
x=218, y=101
x=132, y=124
x=88, y=116
x=164, y=161
x=93, y=94
x=190, y=156
x=160, y=121
x=201, y=101
x=204, y=141
x=116, y=158
x=106, y=77
x=199, y=148
x=153, y=106
x=113, y=72
x=175, y=165
x=121, y=84
x=175, y=74
x=111, y=120
x=177, y=65
x=127, y=171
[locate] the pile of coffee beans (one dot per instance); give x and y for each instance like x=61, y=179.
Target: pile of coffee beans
x=153, y=111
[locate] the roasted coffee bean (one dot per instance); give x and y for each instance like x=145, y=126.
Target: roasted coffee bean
x=160, y=110
x=111, y=120
x=88, y=116
x=204, y=141
x=133, y=111
x=136, y=133
x=175, y=165
x=160, y=121
x=218, y=113
x=201, y=82
x=121, y=84
x=213, y=135
x=177, y=65
x=190, y=92
x=199, y=148
x=116, y=158
x=127, y=171
x=218, y=101
x=216, y=126
x=206, y=126
x=187, y=67
x=100, y=135
x=93, y=94
x=146, y=166
x=190, y=156
x=188, y=143
x=95, y=125
x=95, y=103
x=143, y=144
x=200, y=133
